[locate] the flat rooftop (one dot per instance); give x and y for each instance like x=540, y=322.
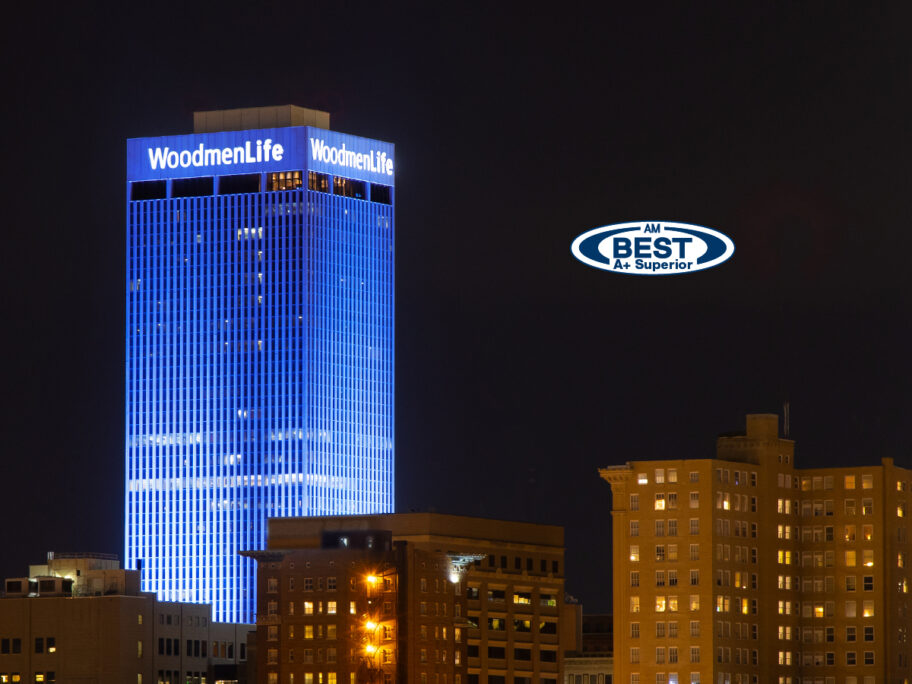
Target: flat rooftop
x=248, y=118
x=306, y=532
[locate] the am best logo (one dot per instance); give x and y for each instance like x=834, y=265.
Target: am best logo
x=653, y=248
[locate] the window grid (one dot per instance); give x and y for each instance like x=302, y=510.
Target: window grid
x=259, y=379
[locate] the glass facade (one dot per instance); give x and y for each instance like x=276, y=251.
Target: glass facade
x=259, y=362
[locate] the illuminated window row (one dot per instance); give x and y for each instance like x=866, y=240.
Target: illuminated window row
x=666, y=603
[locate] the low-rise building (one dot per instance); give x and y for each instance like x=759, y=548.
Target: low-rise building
x=417, y=597
x=593, y=662
x=582, y=668
x=81, y=618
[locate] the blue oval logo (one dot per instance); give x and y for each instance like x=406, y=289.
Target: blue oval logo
x=653, y=248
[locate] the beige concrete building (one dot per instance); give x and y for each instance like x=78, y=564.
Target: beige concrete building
x=80, y=618
x=744, y=569
x=453, y=600
x=583, y=668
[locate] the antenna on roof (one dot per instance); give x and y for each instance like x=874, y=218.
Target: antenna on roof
x=785, y=415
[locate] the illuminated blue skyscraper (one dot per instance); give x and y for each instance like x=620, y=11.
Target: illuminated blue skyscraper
x=259, y=374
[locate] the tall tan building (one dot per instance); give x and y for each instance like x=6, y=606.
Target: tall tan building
x=417, y=597
x=744, y=569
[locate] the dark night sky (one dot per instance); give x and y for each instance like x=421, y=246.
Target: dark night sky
x=519, y=369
